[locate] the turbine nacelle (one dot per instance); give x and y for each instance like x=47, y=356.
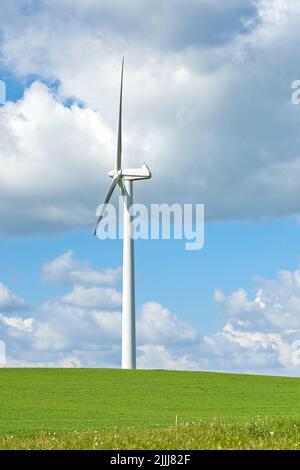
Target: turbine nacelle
x=132, y=174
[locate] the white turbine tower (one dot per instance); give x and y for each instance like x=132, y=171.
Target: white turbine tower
x=124, y=179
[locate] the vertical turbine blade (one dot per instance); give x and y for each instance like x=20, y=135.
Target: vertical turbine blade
x=119, y=150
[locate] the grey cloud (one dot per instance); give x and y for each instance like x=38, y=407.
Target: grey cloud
x=168, y=24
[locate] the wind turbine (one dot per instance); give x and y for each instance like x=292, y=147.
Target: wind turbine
x=124, y=179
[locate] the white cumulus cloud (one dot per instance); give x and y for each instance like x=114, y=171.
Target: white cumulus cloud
x=261, y=332
x=93, y=297
x=66, y=269
x=212, y=103
x=9, y=301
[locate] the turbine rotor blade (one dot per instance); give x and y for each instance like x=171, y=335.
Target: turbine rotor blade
x=122, y=186
x=114, y=183
x=119, y=149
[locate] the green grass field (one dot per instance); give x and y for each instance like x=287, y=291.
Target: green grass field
x=137, y=409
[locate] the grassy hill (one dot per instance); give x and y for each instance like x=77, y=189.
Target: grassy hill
x=88, y=399
x=63, y=408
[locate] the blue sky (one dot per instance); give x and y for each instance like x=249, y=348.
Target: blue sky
x=232, y=255
x=207, y=103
